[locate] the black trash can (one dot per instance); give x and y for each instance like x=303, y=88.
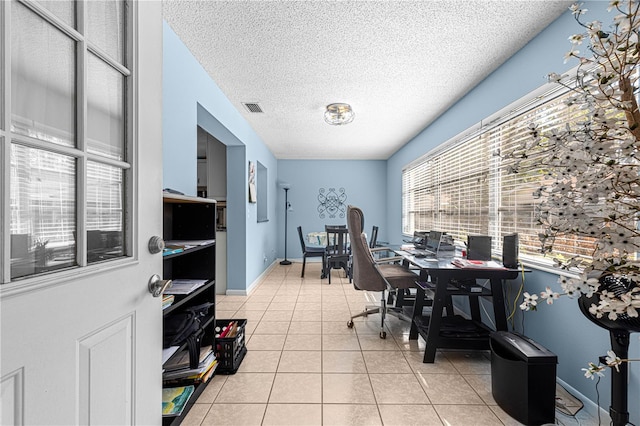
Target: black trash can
x=523, y=378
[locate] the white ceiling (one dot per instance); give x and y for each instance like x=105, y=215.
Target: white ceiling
x=400, y=64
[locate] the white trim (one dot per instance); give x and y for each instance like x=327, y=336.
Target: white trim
x=60, y=277
x=251, y=288
x=589, y=406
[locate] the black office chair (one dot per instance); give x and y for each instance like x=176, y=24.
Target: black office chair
x=370, y=274
x=311, y=250
x=338, y=251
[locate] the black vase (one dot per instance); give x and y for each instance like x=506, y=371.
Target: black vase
x=619, y=330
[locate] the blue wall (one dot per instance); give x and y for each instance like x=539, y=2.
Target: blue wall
x=562, y=328
x=364, y=183
x=191, y=98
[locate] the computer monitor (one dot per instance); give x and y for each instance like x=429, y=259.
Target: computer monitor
x=479, y=247
x=433, y=241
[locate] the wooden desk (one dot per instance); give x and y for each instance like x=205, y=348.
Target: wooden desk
x=435, y=280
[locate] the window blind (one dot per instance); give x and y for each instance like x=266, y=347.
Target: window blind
x=465, y=187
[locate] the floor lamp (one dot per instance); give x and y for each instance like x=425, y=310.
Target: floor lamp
x=286, y=211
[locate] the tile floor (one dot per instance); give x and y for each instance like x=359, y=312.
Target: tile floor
x=304, y=366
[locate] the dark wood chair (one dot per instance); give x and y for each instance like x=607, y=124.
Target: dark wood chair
x=338, y=252
x=311, y=250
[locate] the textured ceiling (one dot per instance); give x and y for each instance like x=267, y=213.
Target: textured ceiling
x=400, y=64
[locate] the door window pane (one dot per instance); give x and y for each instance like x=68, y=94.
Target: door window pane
x=63, y=9
x=105, y=110
x=106, y=27
x=42, y=79
x=43, y=211
x=104, y=212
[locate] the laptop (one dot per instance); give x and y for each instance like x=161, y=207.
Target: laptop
x=431, y=246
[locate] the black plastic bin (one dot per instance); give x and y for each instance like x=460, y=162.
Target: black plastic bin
x=230, y=351
x=523, y=378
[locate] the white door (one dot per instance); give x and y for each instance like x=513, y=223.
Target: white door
x=81, y=197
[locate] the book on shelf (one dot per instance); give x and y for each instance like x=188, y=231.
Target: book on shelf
x=181, y=359
x=476, y=264
x=168, y=353
x=184, y=286
x=167, y=300
x=187, y=244
x=175, y=399
x=167, y=251
x=191, y=373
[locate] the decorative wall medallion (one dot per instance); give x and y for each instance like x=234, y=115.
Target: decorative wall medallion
x=332, y=203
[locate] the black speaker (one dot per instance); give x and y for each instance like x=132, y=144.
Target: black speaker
x=479, y=247
x=510, y=251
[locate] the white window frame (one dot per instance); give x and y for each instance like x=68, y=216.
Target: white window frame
x=11, y=287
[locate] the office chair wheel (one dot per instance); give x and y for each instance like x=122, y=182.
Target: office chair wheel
x=350, y=324
x=383, y=334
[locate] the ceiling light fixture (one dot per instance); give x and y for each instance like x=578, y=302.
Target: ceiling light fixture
x=339, y=114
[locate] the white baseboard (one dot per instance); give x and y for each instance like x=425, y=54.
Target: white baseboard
x=589, y=406
x=253, y=285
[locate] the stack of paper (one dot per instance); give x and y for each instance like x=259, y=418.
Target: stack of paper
x=183, y=286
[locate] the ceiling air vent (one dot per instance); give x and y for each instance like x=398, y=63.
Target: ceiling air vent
x=252, y=106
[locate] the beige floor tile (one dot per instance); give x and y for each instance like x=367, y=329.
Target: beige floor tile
x=282, y=306
x=260, y=362
x=266, y=342
x=277, y=316
x=308, y=315
x=225, y=314
x=305, y=327
x=229, y=306
x=398, y=389
x=385, y=362
x=343, y=362
x=303, y=342
x=255, y=306
x=314, y=298
x=300, y=362
x=246, y=388
x=251, y=316
x=293, y=415
x=345, y=388
x=409, y=415
x=441, y=364
x=212, y=389
x=304, y=388
x=339, y=342
x=308, y=306
x=350, y=415
x=235, y=415
x=417, y=345
x=465, y=415
x=448, y=389
x=196, y=414
x=471, y=362
x=481, y=383
x=272, y=327
x=370, y=342
x=336, y=327
x=259, y=298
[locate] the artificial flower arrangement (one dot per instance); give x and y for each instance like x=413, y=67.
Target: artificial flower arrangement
x=591, y=169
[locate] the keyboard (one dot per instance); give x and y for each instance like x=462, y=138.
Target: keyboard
x=421, y=253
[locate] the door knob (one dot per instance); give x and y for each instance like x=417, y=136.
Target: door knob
x=157, y=285
x=156, y=244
